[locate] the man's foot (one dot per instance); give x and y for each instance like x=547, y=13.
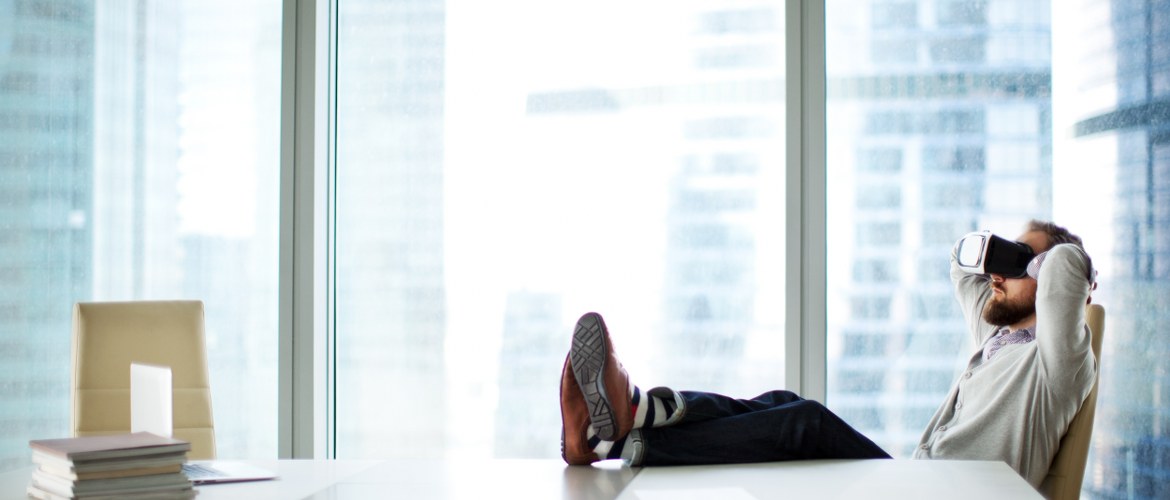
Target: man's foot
x=602, y=380
x=579, y=442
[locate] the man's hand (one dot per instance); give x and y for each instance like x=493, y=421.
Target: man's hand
x=1038, y=260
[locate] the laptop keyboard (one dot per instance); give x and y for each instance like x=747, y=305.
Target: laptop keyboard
x=196, y=472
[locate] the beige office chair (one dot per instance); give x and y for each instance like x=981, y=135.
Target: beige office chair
x=1068, y=467
x=108, y=336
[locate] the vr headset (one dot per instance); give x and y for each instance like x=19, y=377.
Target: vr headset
x=984, y=253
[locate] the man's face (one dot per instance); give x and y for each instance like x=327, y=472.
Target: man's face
x=1014, y=299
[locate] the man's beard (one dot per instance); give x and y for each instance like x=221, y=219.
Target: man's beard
x=1008, y=312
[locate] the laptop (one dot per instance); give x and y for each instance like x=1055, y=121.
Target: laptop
x=223, y=471
x=150, y=411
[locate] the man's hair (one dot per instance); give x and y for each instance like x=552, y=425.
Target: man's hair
x=1056, y=234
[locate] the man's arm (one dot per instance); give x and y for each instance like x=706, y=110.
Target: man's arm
x=972, y=292
x=1062, y=291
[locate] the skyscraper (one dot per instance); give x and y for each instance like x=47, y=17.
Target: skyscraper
x=694, y=149
x=725, y=206
x=96, y=156
x=526, y=418
x=1114, y=62
x=46, y=217
x=938, y=124
x=389, y=251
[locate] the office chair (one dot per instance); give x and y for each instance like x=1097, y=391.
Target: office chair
x=108, y=336
x=1068, y=467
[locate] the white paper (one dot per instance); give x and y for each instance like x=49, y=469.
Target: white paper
x=150, y=399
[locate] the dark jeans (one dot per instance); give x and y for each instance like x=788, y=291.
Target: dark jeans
x=773, y=426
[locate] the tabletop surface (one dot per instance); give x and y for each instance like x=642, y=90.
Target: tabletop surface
x=833, y=479
x=551, y=479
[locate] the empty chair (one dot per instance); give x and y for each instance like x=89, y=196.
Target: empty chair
x=108, y=336
x=1068, y=467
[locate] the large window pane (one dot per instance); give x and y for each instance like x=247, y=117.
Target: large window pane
x=1114, y=177
x=935, y=130
x=138, y=157
x=504, y=167
x=1098, y=73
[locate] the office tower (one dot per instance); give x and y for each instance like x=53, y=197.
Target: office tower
x=90, y=163
x=709, y=128
x=526, y=418
x=678, y=168
x=937, y=125
x=136, y=150
x=46, y=169
x=228, y=119
x=1113, y=63
x=390, y=299
x=99, y=169
x=724, y=219
x=711, y=261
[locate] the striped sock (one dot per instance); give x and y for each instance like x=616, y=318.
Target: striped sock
x=628, y=450
x=661, y=407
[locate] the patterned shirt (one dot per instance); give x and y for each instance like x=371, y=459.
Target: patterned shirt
x=1004, y=337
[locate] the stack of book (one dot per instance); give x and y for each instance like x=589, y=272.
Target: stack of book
x=132, y=466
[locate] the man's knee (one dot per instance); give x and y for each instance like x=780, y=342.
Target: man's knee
x=811, y=411
x=779, y=397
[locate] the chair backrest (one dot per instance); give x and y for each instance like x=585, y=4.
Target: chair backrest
x=108, y=336
x=1068, y=467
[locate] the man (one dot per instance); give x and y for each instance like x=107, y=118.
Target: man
x=1033, y=368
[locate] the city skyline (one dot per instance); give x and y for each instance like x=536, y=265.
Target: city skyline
x=491, y=189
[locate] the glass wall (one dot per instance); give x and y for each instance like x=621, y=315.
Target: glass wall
x=497, y=177
x=138, y=160
x=966, y=115
x=1111, y=70
x=938, y=126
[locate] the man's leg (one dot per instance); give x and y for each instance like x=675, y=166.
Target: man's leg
x=710, y=428
x=699, y=406
x=774, y=426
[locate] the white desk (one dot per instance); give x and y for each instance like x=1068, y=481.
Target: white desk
x=414, y=479
x=298, y=479
x=463, y=479
x=552, y=479
x=833, y=479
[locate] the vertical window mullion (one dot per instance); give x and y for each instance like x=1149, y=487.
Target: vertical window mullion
x=805, y=255
x=304, y=229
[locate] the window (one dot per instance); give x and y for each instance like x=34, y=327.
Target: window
x=953, y=13
x=895, y=15
x=879, y=159
x=497, y=176
x=139, y=160
x=514, y=172
x=1038, y=110
x=947, y=118
x=879, y=233
x=953, y=159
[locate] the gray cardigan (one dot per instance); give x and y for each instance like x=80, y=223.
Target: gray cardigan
x=1016, y=406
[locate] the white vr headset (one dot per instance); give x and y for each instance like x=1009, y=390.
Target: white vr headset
x=981, y=252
